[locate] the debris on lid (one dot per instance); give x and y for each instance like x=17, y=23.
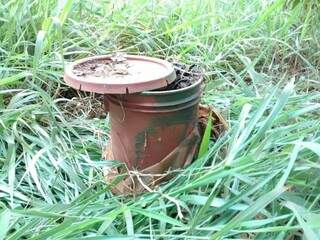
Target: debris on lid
x=119, y=73
x=116, y=65
x=119, y=57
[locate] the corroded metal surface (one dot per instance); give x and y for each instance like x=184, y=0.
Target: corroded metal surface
x=148, y=178
x=135, y=182
x=146, y=127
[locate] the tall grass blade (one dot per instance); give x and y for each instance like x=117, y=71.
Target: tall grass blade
x=204, y=146
x=14, y=79
x=250, y=212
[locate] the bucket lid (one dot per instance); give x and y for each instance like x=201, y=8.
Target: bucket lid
x=119, y=74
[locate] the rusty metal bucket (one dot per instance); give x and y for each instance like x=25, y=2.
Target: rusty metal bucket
x=152, y=130
x=147, y=126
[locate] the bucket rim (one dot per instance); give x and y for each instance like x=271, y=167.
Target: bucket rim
x=174, y=91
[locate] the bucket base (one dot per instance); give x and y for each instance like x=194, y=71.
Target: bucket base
x=136, y=182
x=146, y=179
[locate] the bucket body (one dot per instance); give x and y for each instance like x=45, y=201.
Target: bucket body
x=147, y=126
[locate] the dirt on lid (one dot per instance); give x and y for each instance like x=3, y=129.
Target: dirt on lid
x=116, y=65
x=186, y=75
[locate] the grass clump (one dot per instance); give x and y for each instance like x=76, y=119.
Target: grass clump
x=258, y=181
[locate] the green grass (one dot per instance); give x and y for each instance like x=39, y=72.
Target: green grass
x=260, y=181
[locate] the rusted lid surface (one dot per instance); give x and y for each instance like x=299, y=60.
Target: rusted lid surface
x=119, y=74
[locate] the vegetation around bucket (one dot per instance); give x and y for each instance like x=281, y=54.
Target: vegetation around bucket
x=204, y=146
x=260, y=180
